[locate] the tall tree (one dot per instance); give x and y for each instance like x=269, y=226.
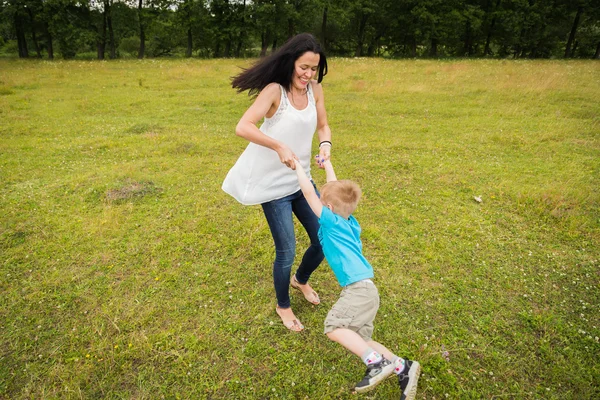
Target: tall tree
x=19, y=16
x=141, y=21
x=362, y=11
x=34, y=39
x=188, y=15
x=324, y=25
x=568, y=51
x=491, y=15
x=109, y=24
x=102, y=34
x=268, y=18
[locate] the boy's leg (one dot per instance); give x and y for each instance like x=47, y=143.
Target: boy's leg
x=381, y=349
x=408, y=371
x=350, y=323
x=350, y=340
x=378, y=367
x=408, y=379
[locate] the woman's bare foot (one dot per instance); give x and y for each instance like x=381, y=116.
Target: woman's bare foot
x=289, y=319
x=309, y=294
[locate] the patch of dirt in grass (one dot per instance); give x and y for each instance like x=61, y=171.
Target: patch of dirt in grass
x=557, y=205
x=5, y=91
x=148, y=129
x=16, y=238
x=131, y=190
x=186, y=148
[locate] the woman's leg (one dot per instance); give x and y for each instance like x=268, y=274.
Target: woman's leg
x=314, y=254
x=279, y=217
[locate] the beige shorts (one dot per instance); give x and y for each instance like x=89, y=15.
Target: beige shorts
x=355, y=310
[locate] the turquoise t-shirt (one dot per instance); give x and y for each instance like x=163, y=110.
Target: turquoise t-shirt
x=340, y=239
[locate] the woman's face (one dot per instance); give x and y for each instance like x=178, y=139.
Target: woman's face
x=305, y=69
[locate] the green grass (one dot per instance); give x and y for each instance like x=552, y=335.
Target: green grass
x=127, y=273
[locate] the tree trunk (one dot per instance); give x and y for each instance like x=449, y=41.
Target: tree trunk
x=190, y=42
x=142, y=33
x=519, y=50
x=188, y=50
x=533, y=53
x=487, y=51
x=240, y=41
x=361, y=34
x=413, y=46
x=568, y=51
x=468, y=50
x=523, y=53
x=49, y=42
x=238, y=48
x=102, y=38
x=274, y=47
x=111, y=34
x=227, y=49
x=324, y=29
x=373, y=45
x=433, y=51
x=33, y=34
x=534, y=50
x=264, y=44
x=597, y=54
x=21, y=41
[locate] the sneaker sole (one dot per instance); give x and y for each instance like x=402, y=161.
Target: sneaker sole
x=413, y=379
x=387, y=372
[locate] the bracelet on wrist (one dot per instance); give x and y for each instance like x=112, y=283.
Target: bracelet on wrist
x=325, y=143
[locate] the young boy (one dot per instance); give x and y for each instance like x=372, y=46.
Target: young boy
x=350, y=321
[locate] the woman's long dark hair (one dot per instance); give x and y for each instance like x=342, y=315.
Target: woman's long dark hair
x=279, y=66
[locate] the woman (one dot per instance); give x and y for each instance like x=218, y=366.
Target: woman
x=292, y=106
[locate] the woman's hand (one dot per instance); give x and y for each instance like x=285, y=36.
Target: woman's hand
x=286, y=156
x=324, y=154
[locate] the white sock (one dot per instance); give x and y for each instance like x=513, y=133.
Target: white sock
x=371, y=357
x=399, y=364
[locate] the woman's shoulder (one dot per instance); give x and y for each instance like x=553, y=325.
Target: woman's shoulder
x=316, y=87
x=315, y=84
x=272, y=91
x=272, y=87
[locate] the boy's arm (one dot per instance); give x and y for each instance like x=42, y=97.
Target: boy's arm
x=329, y=172
x=308, y=190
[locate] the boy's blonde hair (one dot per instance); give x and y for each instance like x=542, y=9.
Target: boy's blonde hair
x=342, y=195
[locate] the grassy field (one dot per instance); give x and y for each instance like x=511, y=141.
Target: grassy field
x=126, y=273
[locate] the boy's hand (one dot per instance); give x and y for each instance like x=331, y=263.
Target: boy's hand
x=297, y=166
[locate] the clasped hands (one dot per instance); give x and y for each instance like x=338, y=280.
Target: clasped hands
x=287, y=157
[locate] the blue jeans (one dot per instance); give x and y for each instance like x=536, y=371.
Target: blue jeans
x=279, y=216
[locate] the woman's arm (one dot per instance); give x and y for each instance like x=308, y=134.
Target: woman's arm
x=266, y=103
x=322, y=126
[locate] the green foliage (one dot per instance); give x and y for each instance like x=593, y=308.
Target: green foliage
x=396, y=28
x=126, y=272
x=130, y=46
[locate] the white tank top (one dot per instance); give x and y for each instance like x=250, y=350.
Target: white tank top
x=258, y=176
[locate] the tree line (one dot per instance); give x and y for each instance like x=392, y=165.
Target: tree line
x=251, y=28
